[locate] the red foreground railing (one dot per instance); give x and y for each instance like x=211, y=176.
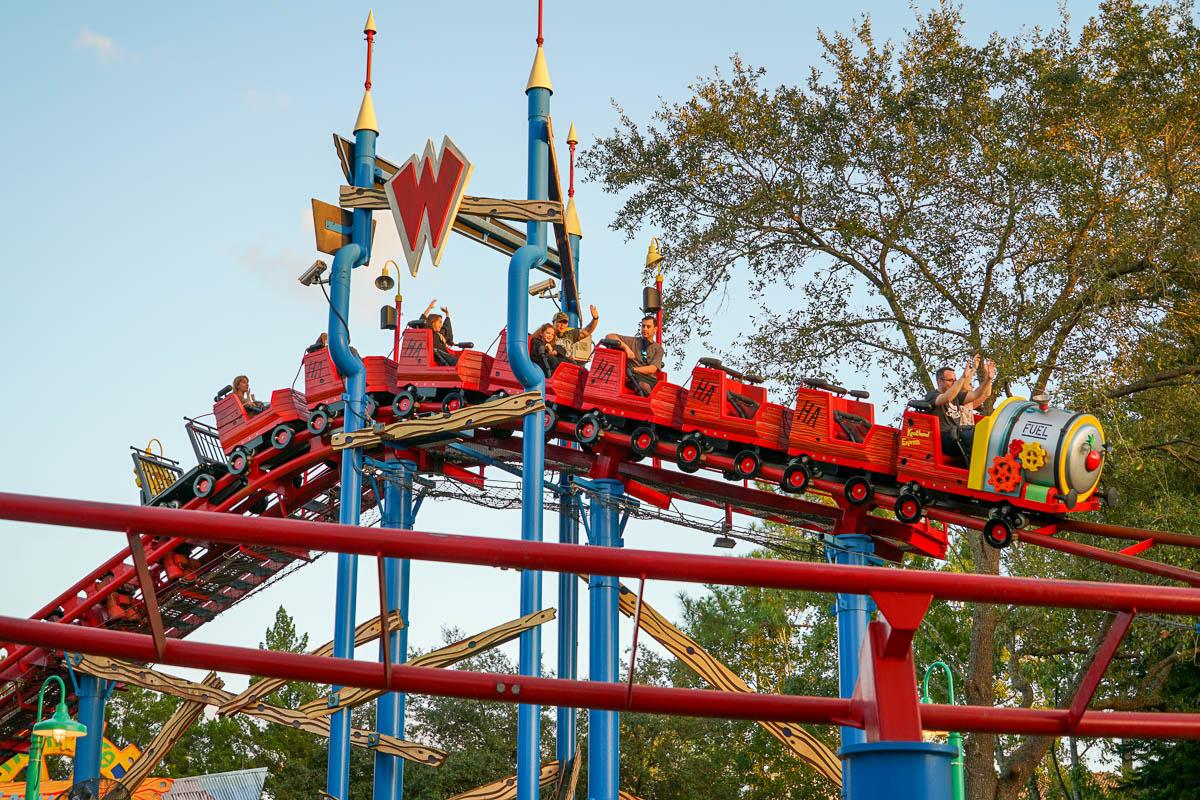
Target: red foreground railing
x=885, y=703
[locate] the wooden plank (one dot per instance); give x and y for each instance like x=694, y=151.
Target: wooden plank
x=442, y=657
x=506, y=788
x=688, y=650
x=331, y=226
x=438, y=426
x=570, y=780
x=624, y=795
x=501, y=237
x=172, y=731
x=374, y=199
x=570, y=286
x=127, y=672
x=364, y=633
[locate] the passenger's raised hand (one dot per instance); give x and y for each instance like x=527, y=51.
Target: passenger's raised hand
x=595, y=314
x=989, y=369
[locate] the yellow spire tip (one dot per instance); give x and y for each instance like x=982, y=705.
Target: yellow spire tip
x=539, y=75
x=572, y=136
x=369, y=27
x=366, y=115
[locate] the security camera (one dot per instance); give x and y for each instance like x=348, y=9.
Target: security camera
x=313, y=274
x=542, y=288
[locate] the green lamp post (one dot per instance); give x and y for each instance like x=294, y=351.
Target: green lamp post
x=957, y=781
x=59, y=726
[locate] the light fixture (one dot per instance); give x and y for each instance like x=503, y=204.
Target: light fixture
x=384, y=282
x=60, y=726
x=724, y=542
x=653, y=256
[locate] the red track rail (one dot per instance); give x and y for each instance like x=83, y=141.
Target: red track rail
x=897, y=591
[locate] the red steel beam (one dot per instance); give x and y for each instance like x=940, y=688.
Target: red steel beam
x=1123, y=532
x=581, y=694
x=515, y=554
x=1104, y=656
x=1187, y=576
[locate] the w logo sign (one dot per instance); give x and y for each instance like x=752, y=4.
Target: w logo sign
x=424, y=196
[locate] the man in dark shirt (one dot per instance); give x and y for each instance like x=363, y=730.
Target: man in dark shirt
x=955, y=406
x=643, y=356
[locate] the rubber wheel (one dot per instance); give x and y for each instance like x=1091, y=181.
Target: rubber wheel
x=643, y=440
x=454, y=401
x=796, y=476
x=747, y=464
x=551, y=420
x=239, y=461
x=909, y=508
x=587, y=429
x=998, y=533
x=281, y=437
x=689, y=452
x=203, y=485
x=318, y=422
x=404, y=404
x=858, y=490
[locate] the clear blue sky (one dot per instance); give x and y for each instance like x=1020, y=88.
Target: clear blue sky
x=158, y=164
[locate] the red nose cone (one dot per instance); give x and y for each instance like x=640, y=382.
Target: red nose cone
x=1093, y=461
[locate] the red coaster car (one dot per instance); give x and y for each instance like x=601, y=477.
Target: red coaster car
x=324, y=387
x=243, y=433
x=834, y=426
x=728, y=412
x=609, y=404
x=564, y=388
x=421, y=379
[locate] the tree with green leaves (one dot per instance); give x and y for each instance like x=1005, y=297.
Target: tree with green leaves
x=1033, y=198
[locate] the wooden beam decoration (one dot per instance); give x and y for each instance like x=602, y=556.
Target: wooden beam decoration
x=366, y=632
x=570, y=287
x=569, y=779
x=437, y=427
x=127, y=672
x=173, y=729
x=686, y=649
x=442, y=657
x=487, y=231
x=375, y=199
x=331, y=226
x=506, y=788
x=624, y=795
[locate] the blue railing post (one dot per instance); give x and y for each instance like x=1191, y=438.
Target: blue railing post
x=337, y=782
x=853, y=614
x=568, y=622
x=390, y=708
x=93, y=694
x=604, y=767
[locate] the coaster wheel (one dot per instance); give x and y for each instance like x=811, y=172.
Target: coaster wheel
x=588, y=428
x=998, y=532
x=454, y=401
x=643, y=440
x=858, y=490
x=689, y=452
x=909, y=508
x=282, y=436
x=796, y=476
x=747, y=464
x=404, y=404
x=318, y=421
x=203, y=485
x=549, y=420
x=239, y=461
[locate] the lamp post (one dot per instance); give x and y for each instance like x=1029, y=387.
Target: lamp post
x=389, y=318
x=953, y=738
x=58, y=727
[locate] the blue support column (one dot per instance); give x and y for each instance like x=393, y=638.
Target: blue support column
x=604, y=763
x=389, y=709
x=93, y=694
x=568, y=622
x=853, y=614
x=337, y=782
x=533, y=452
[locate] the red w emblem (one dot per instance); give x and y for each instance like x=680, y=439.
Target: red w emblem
x=424, y=196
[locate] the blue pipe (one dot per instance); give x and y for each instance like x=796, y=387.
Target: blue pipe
x=568, y=622
x=853, y=614
x=349, y=256
x=604, y=753
x=531, y=255
x=390, y=708
x=93, y=693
